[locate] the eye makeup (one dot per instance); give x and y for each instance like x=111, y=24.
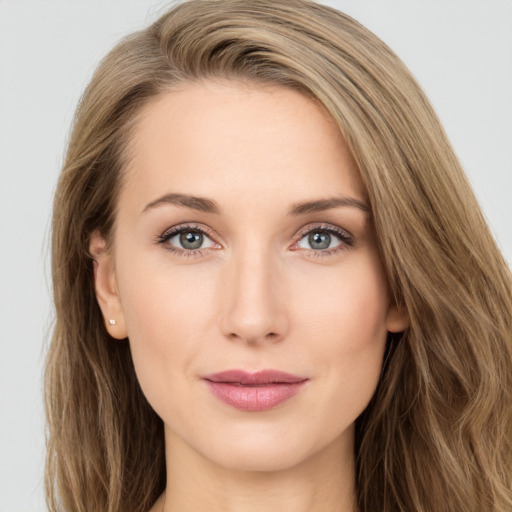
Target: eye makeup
x=185, y=229
x=345, y=238
x=197, y=233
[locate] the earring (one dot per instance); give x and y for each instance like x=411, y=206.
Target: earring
x=112, y=322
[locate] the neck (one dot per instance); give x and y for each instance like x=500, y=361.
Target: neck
x=324, y=482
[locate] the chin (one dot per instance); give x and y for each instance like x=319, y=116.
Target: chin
x=256, y=458
x=260, y=449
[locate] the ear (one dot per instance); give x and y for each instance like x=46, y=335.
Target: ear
x=397, y=319
x=105, y=285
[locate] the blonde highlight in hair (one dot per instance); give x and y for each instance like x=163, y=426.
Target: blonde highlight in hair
x=437, y=435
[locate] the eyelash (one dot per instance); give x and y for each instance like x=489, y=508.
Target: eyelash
x=183, y=228
x=345, y=238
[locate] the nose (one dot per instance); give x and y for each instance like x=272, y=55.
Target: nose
x=253, y=299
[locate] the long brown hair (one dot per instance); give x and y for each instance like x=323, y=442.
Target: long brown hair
x=437, y=435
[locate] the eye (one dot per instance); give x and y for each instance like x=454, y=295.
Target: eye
x=186, y=239
x=190, y=240
x=324, y=239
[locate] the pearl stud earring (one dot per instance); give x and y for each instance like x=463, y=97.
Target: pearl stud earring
x=112, y=321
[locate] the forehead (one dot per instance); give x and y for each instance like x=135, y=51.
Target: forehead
x=237, y=138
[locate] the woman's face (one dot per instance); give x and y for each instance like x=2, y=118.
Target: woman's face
x=244, y=242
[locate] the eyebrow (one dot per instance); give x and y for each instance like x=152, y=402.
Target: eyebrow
x=203, y=204
x=196, y=203
x=320, y=205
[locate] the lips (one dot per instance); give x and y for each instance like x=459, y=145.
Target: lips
x=254, y=391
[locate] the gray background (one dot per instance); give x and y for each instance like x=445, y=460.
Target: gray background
x=460, y=50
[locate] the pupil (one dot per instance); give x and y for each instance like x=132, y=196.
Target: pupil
x=191, y=240
x=319, y=240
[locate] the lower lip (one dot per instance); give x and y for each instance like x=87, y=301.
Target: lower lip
x=254, y=398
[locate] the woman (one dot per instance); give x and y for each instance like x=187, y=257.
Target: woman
x=259, y=204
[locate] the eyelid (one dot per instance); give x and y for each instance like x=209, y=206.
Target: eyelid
x=342, y=233
x=345, y=237
x=184, y=226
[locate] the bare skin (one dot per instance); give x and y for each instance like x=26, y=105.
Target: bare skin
x=301, y=292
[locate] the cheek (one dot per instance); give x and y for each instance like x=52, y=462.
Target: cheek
x=346, y=336
x=346, y=310
x=168, y=316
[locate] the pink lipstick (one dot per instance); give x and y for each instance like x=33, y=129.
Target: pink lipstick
x=254, y=391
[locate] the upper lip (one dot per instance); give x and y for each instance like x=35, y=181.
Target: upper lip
x=261, y=377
